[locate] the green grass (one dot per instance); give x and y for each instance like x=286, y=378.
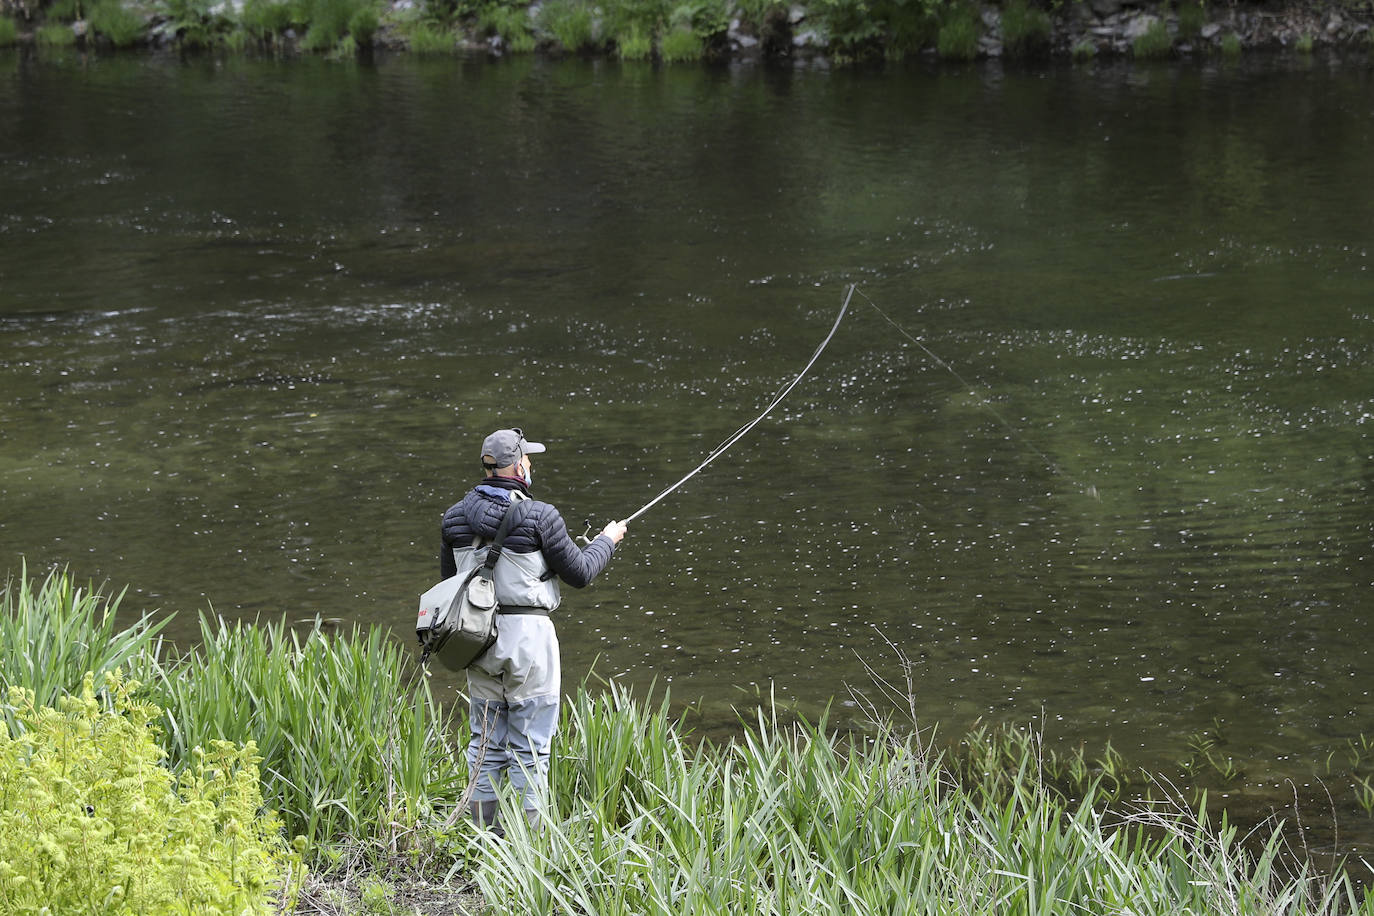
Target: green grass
x=55, y=630
x=68, y=10
x=1025, y=29
x=266, y=19
x=363, y=25
x=788, y=817
x=237, y=41
x=424, y=38
x=850, y=25
x=1231, y=46
x=512, y=23
x=1191, y=18
x=9, y=32
x=1154, y=43
x=345, y=50
x=1084, y=50
x=1305, y=43
x=121, y=25
x=330, y=20
x=55, y=35
x=680, y=45
x=958, y=38
x=634, y=44
x=911, y=26
x=570, y=22
x=792, y=819
x=347, y=748
x=634, y=21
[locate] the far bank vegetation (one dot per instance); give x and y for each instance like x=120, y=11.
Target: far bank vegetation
x=671, y=31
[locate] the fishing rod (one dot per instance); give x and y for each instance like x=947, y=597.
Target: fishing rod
x=744, y=430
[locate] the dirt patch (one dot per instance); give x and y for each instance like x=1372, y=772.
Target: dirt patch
x=373, y=894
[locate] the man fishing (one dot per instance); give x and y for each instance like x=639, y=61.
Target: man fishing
x=515, y=686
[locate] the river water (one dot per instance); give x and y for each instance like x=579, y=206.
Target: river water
x=1102, y=460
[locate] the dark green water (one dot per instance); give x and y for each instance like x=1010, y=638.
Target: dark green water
x=255, y=318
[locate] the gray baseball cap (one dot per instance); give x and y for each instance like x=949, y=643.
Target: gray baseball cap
x=505, y=447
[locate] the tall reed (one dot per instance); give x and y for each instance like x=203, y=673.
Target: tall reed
x=790, y=819
x=352, y=744
x=55, y=631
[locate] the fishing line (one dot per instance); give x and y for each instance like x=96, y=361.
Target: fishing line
x=1049, y=462
x=744, y=430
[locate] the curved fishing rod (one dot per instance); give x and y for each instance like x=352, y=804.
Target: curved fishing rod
x=744, y=430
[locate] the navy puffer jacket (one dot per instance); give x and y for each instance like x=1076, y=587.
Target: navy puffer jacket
x=479, y=513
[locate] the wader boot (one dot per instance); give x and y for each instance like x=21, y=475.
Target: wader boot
x=484, y=814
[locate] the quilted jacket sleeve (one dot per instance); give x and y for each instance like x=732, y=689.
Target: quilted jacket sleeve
x=574, y=565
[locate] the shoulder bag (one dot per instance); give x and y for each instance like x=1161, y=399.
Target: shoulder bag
x=457, y=618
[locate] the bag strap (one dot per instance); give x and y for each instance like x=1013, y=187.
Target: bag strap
x=515, y=514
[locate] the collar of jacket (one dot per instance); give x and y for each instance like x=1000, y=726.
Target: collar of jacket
x=500, y=487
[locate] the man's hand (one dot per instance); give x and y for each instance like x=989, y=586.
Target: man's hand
x=615, y=531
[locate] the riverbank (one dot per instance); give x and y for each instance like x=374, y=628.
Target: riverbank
x=821, y=32
x=362, y=767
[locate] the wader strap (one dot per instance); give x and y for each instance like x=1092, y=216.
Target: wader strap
x=515, y=514
x=523, y=609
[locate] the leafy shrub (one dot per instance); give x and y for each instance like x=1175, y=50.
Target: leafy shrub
x=1191, y=19
x=849, y=24
x=194, y=23
x=1084, y=49
x=708, y=18
x=757, y=12
x=1305, y=43
x=266, y=18
x=55, y=35
x=1154, y=43
x=9, y=32
x=570, y=22
x=910, y=24
x=1230, y=45
x=53, y=633
x=512, y=23
x=346, y=748
x=94, y=824
x=1025, y=29
x=958, y=39
x=446, y=14
x=425, y=38
x=121, y=25
x=635, y=45
x=680, y=45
